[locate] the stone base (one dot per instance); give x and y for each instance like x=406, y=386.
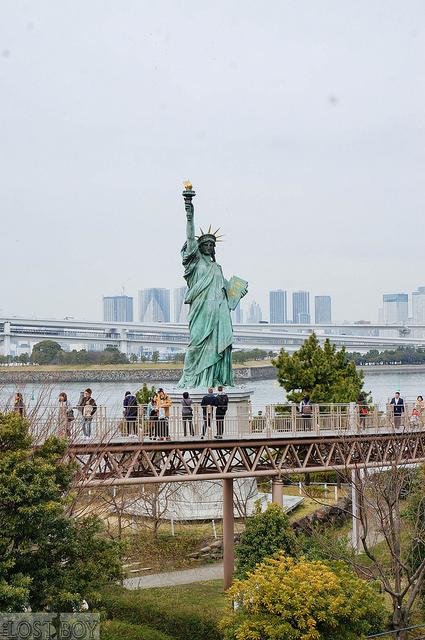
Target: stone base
x=239, y=398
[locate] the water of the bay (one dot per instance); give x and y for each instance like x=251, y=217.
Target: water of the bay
x=110, y=394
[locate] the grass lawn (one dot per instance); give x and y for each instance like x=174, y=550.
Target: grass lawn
x=95, y=367
x=167, y=552
x=309, y=505
x=116, y=367
x=183, y=612
x=117, y=630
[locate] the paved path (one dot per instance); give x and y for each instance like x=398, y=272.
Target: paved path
x=199, y=574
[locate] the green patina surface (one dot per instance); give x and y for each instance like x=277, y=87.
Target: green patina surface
x=208, y=360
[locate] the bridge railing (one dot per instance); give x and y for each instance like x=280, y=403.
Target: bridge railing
x=239, y=422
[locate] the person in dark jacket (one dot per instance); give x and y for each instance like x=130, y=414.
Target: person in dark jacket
x=208, y=403
x=221, y=405
x=130, y=413
x=187, y=414
x=398, y=408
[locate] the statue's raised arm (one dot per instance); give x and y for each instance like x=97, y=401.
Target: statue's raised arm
x=190, y=224
x=188, y=195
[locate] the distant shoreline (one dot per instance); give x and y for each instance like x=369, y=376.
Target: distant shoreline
x=164, y=372
x=392, y=368
x=118, y=373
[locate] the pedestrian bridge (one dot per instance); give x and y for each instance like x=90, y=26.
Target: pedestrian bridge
x=273, y=443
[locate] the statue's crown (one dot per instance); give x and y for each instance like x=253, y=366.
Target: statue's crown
x=209, y=236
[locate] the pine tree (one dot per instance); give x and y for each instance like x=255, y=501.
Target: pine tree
x=323, y=372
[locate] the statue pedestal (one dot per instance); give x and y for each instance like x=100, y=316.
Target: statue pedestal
x=239, y=399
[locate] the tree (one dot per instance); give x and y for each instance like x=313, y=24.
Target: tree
x=46, y=352
x=154, y=502
x=288, y=599
x=385, y=516
x=145, y=394
x=390, y=521
x=133, y=357
x=324, y=373
x=112, y=355
x=47, y=559
x=178, y=357
x=265, y=533
x=155, y=356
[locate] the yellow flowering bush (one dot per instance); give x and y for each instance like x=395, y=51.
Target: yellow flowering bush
x=289, y=599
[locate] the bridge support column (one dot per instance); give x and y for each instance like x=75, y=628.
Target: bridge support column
x=355, y=510
x=228, y=532
x=277, y=489
x=7, y=336
x=123, y=346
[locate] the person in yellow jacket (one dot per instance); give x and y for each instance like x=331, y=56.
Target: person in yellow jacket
x=163, y=403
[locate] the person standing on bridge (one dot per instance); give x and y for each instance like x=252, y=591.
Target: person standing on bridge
x=306, y=411
x=398, y=408
x=89, y=408
x=66, y=416
x=130, y=413
x=18, y=405
x=163, y=403
x=221, y=404
x=208, y=403
x=187, y=414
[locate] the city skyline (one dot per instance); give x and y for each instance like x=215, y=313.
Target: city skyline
x=397, y=308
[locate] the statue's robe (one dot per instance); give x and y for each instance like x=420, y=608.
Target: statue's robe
x=208, y=360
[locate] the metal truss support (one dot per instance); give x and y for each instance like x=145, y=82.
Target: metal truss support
x=228, y=532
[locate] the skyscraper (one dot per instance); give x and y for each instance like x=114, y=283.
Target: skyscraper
x=322, y=309
x=418, y=306
x=254, y=313
x=301, y=307
x=237, y=315
x=154, y=305
x=278, y=307
x=396, y=308
x=117, y=309
x=181, y=309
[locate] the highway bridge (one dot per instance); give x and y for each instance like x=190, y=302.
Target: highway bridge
x=18, y=335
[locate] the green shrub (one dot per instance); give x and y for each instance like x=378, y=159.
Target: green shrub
x=187, y=611
x=314, y=491
x=117, y=630
x=265, y=533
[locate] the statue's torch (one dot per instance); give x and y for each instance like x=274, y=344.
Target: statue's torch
x=188, y=192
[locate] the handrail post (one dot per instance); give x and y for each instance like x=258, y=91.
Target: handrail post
x=269, y=420
x=316, y=418
x=353, y=422
x=293, y=417
x=141, y=422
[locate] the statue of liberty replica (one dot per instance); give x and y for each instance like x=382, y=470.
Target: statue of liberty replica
x=208, y=361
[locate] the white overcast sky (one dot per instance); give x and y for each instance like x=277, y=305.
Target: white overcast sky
x=300, y=123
